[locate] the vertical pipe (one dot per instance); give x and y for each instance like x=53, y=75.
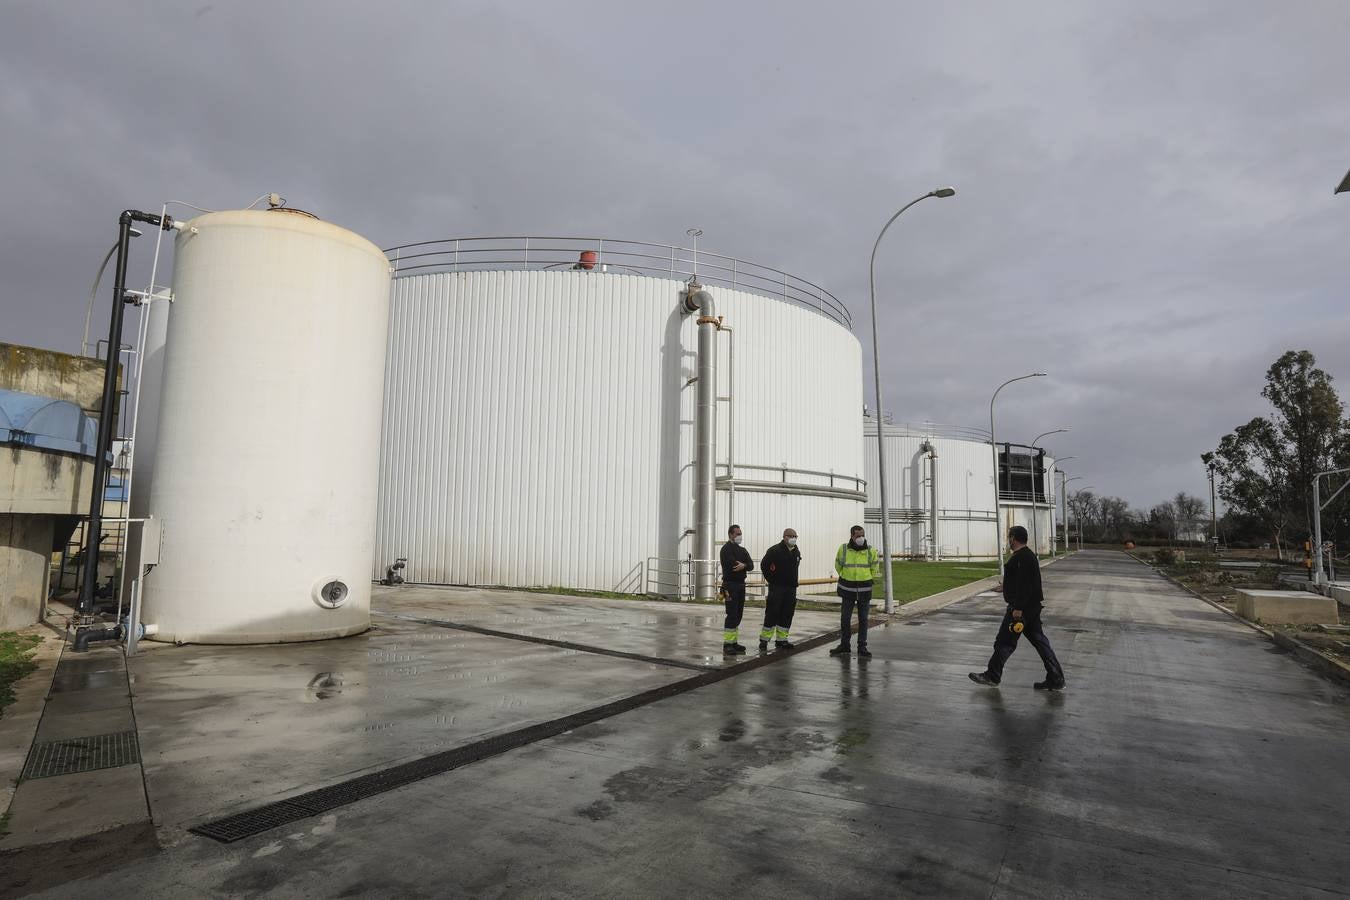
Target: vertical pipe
x=706, y=444
x=107, y=405
x=731, y=427
x=1317, y=529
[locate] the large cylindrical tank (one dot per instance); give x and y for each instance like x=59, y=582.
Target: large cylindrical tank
x=540, y=429
x=269, y=431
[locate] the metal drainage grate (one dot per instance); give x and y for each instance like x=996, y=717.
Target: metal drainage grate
x=262, y=818
x=84, y=754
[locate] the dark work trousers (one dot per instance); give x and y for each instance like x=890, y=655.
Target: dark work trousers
x=778, y=609
x=849, y=599
x=1006, y=643
x=735, y=603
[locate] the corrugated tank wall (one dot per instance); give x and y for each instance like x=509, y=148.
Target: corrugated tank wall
x=538, y=425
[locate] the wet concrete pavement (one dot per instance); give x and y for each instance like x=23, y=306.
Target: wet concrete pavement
x=1188, y=758
x=225, y=727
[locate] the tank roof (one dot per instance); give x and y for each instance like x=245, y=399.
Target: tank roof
x=615, y=256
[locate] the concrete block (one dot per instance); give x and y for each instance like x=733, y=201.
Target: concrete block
x=1341, y=593
x=1286, y=607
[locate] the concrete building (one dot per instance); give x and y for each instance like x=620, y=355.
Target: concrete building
x=45, y=479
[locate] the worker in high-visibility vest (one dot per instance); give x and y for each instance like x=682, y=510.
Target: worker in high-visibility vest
x=858, y=565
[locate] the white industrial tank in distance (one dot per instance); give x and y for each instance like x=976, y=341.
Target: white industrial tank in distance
x=267, y=455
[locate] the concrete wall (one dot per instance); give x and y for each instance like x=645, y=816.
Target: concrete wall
x=43, y=482
x=25, y=561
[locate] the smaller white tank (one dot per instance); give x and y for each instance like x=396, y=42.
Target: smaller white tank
x=268, y=442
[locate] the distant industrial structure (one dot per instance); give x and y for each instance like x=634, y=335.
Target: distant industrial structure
x=942, y=491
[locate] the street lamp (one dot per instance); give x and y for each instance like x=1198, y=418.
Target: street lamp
x=1079, y=493
x=1064, y=489
x=993, y=445
x=876, y=373
x=1064, y=500
x=1035, y=530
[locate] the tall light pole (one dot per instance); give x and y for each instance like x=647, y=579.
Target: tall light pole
x=1035, y=530
x=1064, y=489
x=1079, y=493
x=1063, y=499
x=993, y=445
x=881, y=421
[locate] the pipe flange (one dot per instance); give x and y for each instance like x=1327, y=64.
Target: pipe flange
x=331, y=593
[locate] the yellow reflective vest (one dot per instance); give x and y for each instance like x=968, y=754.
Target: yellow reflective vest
x=857, y=566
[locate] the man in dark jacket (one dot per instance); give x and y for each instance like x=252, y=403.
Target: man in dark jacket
x=780, y=567
x=1022, y=592
x=736, y=563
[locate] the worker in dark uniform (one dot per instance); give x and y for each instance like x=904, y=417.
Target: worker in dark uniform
x=780, y=567
x=1022, y=592
x=736, y=564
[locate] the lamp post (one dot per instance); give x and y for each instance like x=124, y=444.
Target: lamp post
x=881, y=420
x=993, y=445
x=1079, y=493
x=1062, y=499
x=1035, y=530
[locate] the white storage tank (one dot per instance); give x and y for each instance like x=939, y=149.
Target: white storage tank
x=268, y=444
x=540, y=417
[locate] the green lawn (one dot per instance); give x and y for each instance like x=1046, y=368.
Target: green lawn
x=16, y=652
x=915, y=579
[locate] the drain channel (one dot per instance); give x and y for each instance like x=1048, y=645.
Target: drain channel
x=311, y=803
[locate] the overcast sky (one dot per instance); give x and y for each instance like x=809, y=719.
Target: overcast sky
x=1145, y=204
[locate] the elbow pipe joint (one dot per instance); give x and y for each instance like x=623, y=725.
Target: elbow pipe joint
x=87, y=635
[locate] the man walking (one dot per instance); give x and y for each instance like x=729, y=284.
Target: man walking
x=780, y=567
x=736, y=563
x=858, y=565
x=1022, y=592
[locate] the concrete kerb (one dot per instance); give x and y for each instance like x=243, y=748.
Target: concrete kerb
x=1325, y=665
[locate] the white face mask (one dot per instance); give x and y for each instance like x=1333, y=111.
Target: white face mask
x=860, y=541
x=792, y=542
x=737, y=539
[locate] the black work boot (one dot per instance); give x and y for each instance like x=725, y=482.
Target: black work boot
x=763, y=646
x=783, y=645
x=983, y=678
x=1050, y=684
x=864, y=653
x=732, y=649
x=841, y=650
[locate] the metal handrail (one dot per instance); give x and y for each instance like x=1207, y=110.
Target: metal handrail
x=930, y=429
x=855, y=482
x=642, y=257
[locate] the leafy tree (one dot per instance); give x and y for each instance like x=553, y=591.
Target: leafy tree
x=1266, y=466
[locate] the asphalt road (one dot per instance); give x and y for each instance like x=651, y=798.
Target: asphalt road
x=1188, y=758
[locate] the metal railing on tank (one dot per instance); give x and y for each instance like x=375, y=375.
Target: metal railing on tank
x=616, y=256
x=931, y=430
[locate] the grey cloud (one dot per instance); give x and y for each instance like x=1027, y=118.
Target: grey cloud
x=1144, y=204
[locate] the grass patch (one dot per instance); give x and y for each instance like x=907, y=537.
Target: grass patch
x=16, y=661
x=914, y=579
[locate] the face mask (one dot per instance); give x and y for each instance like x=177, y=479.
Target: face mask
x=859, y=541
x=737, y=539
x=792, y=542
